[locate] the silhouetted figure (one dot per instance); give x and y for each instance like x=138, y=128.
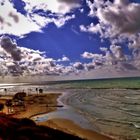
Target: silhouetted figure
x=36, y=90
x=40, y=90
x=5, y=90
x=9, y=105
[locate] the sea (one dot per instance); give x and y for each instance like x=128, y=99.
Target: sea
x=108, y=106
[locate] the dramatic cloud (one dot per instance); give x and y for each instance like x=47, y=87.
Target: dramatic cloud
x=114, y=56
x=52, y=12
x=117, y=52
x=122, y=16
x=13, y=22
x=103, y=49
x=21, y=61
x=55, y=6
x=135, y=42
x=126, y=66
x=89, y=66
x=116, y=19
x=10, y=48
x=91, y=55
x=91, y=28
x=78, y=66
x=115, y=22
x=70, y=1
x=62, y=20
x=15, y=17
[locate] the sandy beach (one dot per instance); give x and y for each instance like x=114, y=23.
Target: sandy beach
x=69, y=126
x=45, y=103
x=39, y=104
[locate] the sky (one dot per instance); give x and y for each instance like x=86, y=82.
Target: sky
x=69, y=39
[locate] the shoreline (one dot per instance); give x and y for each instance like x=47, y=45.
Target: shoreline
x=48, y=103
x=38, y=107
x=69, y=125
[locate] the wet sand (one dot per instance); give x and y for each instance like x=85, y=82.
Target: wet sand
x=69, y=126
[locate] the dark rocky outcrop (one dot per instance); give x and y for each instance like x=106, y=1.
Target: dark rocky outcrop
x=26, y=129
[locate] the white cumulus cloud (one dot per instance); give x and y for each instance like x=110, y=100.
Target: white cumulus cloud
x=29, y=62
x=15, y=23
x=120, y=17
x=64, y=59
x=55, y=6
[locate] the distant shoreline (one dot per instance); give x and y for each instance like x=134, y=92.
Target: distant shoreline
x=112, y=83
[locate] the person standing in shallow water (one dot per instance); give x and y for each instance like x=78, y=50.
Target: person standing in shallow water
x=5, y=90
x=9, y=106
x=36, y=90
x=40, y=90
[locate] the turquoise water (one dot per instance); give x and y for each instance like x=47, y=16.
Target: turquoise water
x=118, y=83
